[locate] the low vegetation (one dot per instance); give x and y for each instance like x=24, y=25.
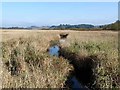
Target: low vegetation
x=27, y=64
x=96, y=64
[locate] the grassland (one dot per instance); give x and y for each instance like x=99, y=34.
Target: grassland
x=27, y=64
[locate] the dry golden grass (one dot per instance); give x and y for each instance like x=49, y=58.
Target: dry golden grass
x=54, y=71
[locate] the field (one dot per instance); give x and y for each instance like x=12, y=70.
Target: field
x=27, y=64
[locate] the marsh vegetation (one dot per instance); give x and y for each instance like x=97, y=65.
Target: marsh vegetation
x=90, y=55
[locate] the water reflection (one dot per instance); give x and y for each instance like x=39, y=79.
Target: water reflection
x=54, y=50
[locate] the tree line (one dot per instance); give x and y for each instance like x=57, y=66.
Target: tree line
x=114, y=26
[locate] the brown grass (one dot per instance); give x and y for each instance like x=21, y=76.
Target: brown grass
x=41, y=70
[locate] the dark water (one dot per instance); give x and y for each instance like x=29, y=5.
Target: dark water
x=76, y=83
x=54, y=51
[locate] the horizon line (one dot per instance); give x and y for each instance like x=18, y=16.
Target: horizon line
x=59, y=24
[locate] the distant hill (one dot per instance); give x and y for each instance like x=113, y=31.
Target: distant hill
x=73, y=27
x=13, y=28
x=33, y=27
x=37, y=27
x=113, y=26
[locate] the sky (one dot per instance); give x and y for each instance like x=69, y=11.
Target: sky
x=60, y=0
x=25, y=14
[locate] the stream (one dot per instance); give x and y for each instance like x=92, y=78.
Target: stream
x=54, y=51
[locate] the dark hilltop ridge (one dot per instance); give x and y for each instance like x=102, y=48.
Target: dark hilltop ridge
x=113, y=26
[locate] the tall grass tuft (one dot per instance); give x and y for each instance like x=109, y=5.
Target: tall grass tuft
x=25, y=66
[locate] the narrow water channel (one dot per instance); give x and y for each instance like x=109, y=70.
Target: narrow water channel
x=55, y=51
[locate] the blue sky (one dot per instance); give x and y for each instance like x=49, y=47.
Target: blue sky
x=51, y=13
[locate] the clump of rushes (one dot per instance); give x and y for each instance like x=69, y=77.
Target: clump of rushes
x=25, y=66
x=54, y=42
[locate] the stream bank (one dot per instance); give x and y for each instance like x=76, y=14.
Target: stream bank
x=83, y=75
